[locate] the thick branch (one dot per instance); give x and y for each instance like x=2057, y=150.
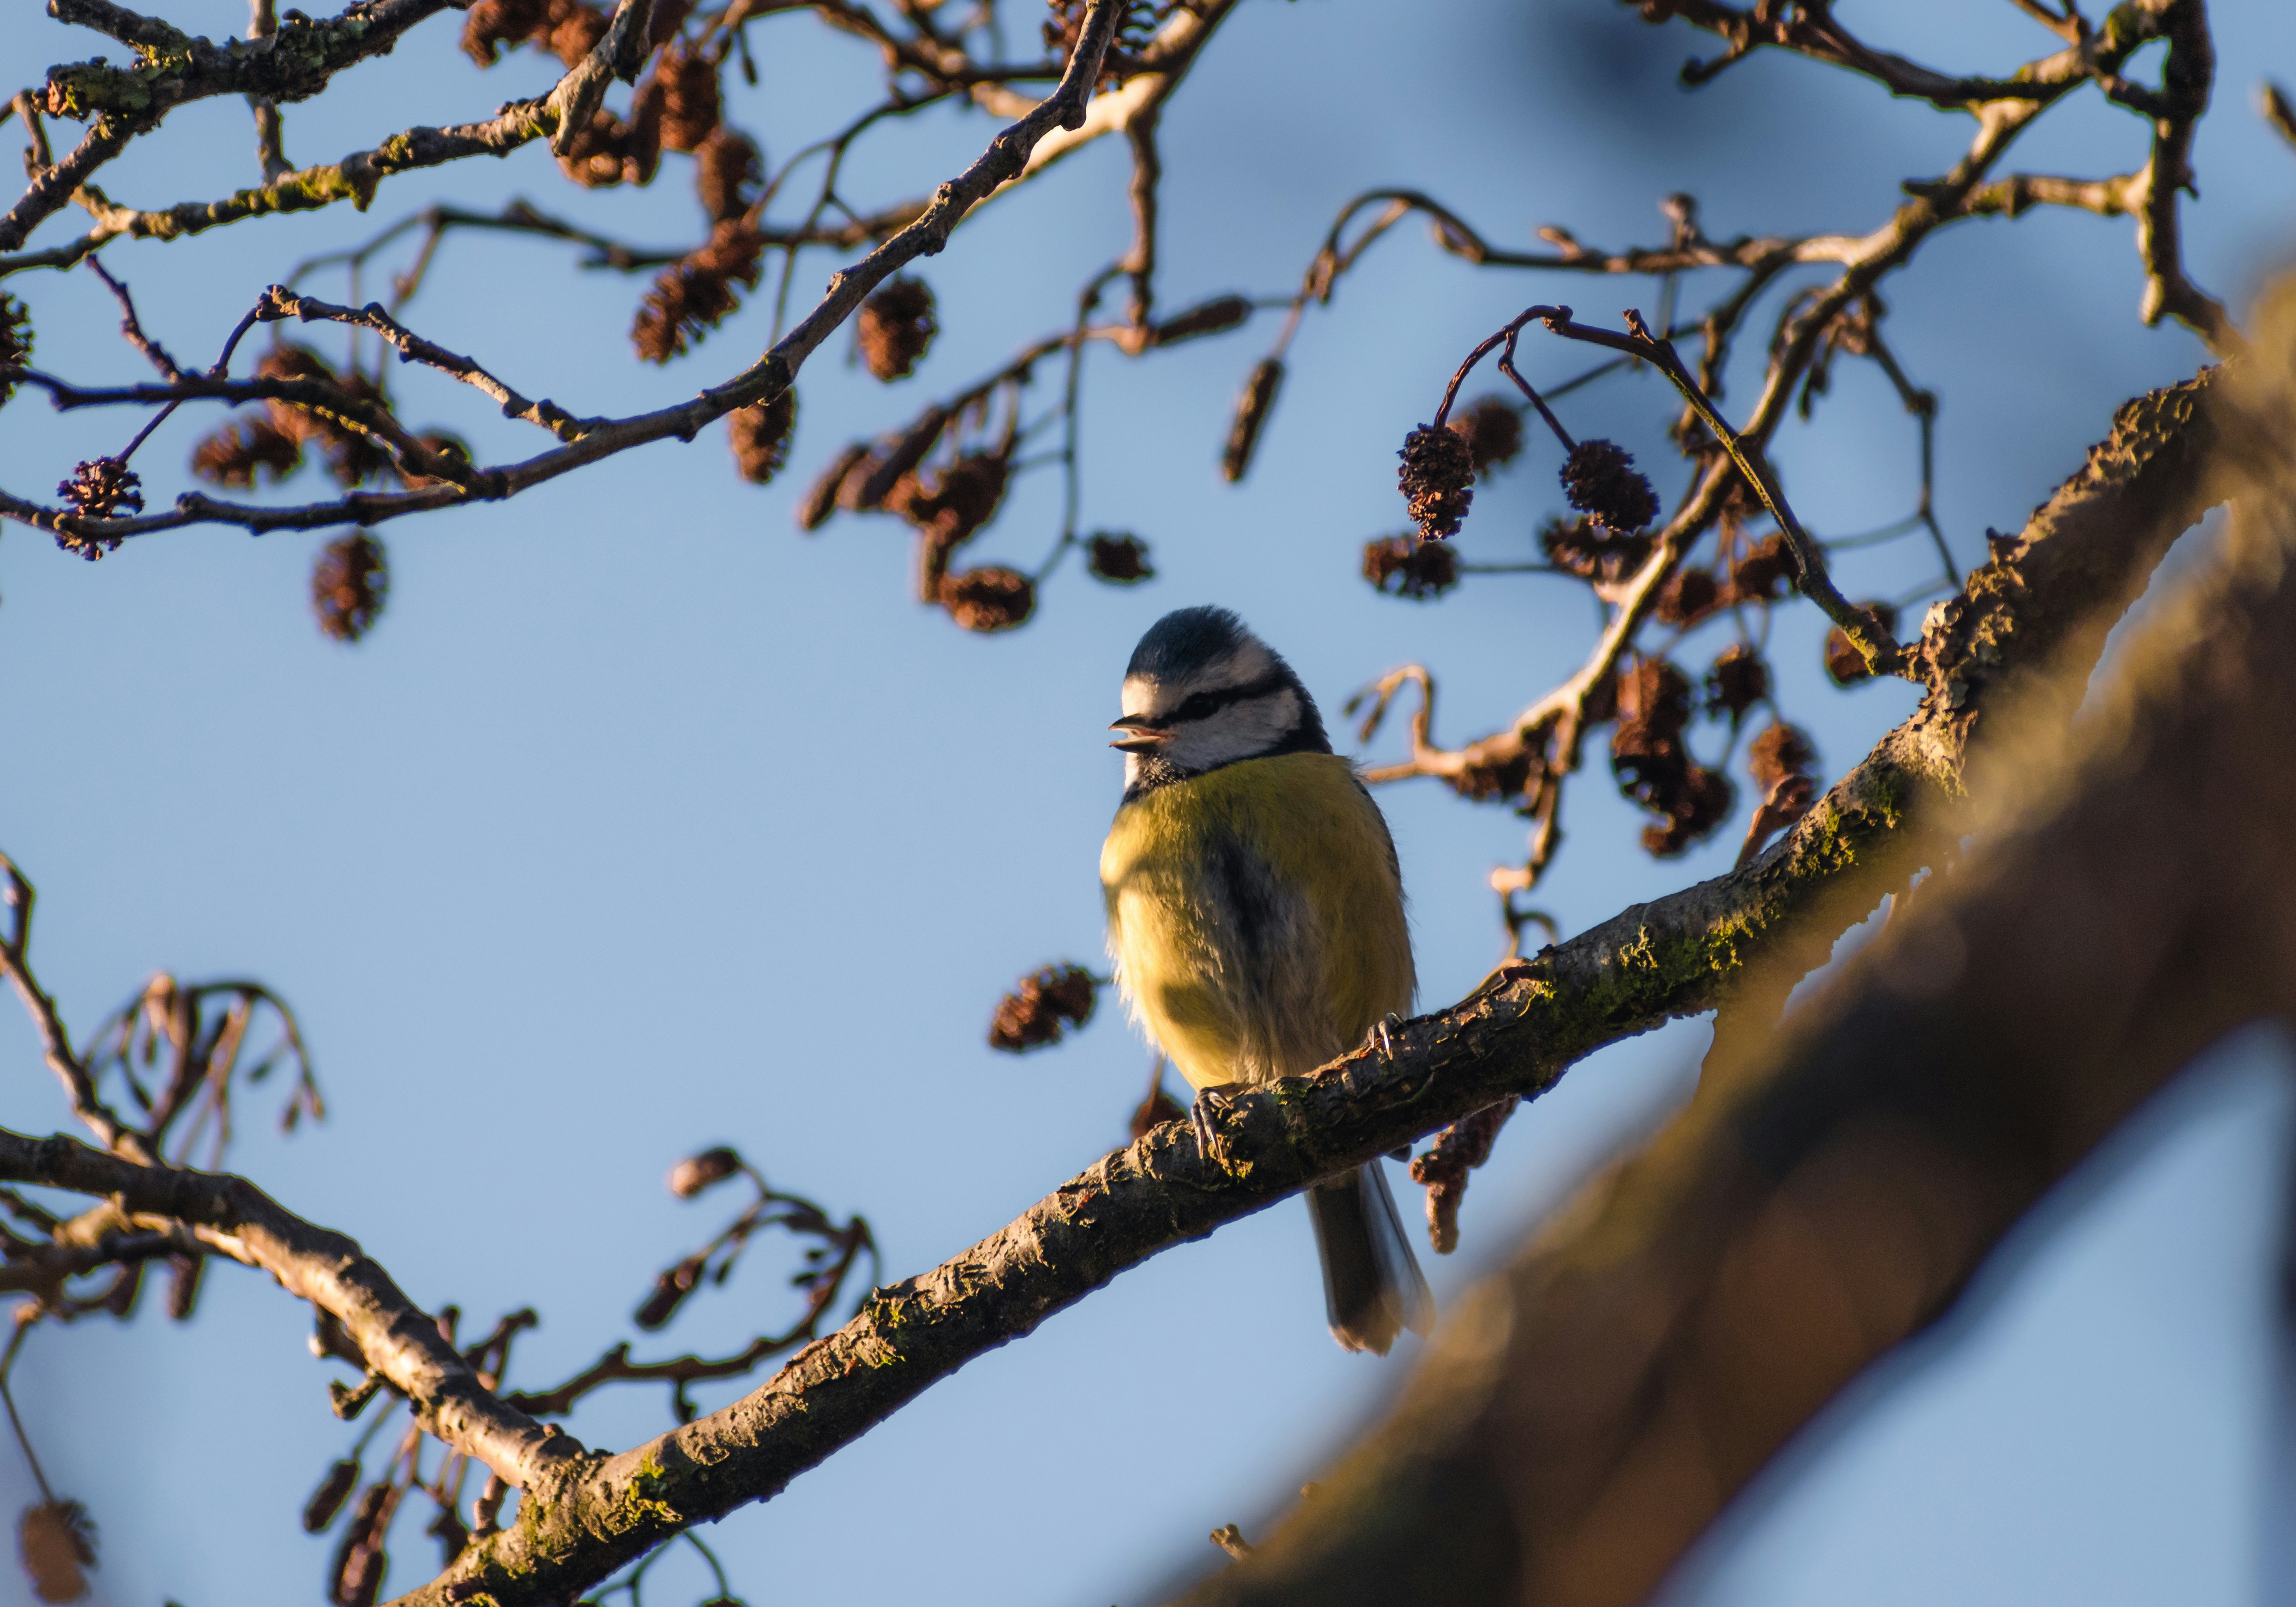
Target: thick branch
x=1832, y=1189
x=397, y=1338
x=2092, y=546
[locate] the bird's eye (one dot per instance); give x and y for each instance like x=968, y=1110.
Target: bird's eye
x=1201, y=704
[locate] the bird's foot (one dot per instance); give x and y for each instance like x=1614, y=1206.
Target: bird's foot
x=1203, y=1116
x=1389, y=1024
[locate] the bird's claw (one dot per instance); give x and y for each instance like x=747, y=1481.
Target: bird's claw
x=1387, y=1023
x=1203, y=1116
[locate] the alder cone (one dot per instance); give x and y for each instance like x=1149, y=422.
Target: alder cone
x=726, y=171
x=1701, y=803
x=1780, y=753
x=102, y=488
x=1688, y=596
x=696, y=293
x=760, y=436
x=895, y=327
x=1405, y=566
x=1438, y=465
x=1599, y=478
x=1492, y=430
x=56, y=1541
x=348, y=583
x=1041, y=1008
x=689, y=96
x=1764, y=570
x=328, y=1499
x=1120, y=560
x=989, y=599
x=1738, y=680
x=231, y=456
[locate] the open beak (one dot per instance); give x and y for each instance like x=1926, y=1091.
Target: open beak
x=1140, y=734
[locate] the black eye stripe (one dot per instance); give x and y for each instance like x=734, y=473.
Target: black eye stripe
x=1203, y=705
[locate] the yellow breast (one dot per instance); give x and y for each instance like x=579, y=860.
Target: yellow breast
x=1256, y=917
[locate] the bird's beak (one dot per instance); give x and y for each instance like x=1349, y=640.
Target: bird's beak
x=1140, y=734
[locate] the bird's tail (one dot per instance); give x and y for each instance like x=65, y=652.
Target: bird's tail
x=1372, y=1288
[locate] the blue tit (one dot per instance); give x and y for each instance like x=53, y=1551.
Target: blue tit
x=1255, y=914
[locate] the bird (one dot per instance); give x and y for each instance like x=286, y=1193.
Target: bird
x=1255, y=916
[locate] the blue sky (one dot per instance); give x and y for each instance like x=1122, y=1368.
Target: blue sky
x=642, y=822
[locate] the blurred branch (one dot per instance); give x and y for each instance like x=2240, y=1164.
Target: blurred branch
x=2042, y=602
x=1833, y=1188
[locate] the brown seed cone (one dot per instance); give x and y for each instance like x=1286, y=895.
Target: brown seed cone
x=760, y=435
x=1654, y=704
x=491, y=24
x=707, y=1169
x=689, y=96
x=1780, y=751
x=573, y=30
x=726, y=172
x=1592, y=551
x=895, y=327
x=1251, y=411
x=1738, y=680
x=327, y=1500
x=1120, y=560
x=1438, y=468
x=453, y=448
x=1154, y=1112
x=232, y=456
x=1458, y=1149
x=352, y=456
x=1205, y=318
x=1418, y=569
x=1599, y=478
x=348, y=584
x=15, y=340
x=356, y=1578
x=947, y=508
x=1688, y=596
x=696, y=294
x=1042, y=1007
x=102, y=488
x=1701, y=803
x=989, y=599
x=290, y=361
x=1492, y=430
x=821, y=499
x=56, y=1540
x=1764, y=571
x=1843, y=662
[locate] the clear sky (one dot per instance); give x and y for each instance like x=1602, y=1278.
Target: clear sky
x=642, y=822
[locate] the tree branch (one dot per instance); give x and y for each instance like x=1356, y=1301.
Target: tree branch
x=396, y=1338
x=2034, y=605
x=1007, y=158
x=1833, y=1188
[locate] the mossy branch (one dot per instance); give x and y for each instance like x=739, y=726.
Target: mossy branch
x=2090, y=549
